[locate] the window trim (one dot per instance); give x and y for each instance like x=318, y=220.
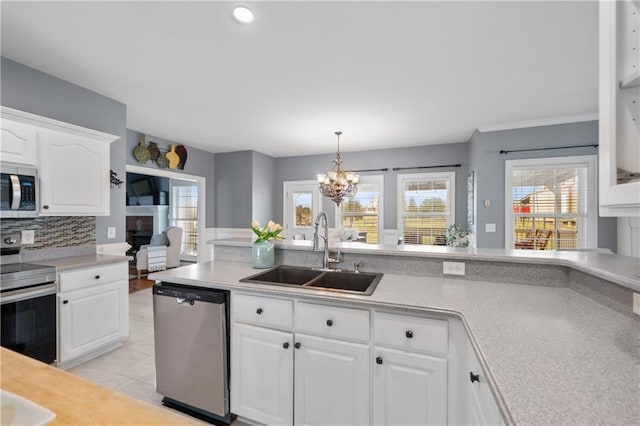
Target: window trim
x=554, y=162
x=402, y=178
x=368, y=180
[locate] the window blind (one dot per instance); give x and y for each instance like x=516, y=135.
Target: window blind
x=184, y=213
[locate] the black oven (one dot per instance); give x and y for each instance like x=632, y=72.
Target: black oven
x=29, y=321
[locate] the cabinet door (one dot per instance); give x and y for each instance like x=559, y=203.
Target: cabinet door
x=262, y=374
x=18, y=143
x=409, y=388
x=74, y=175
x=92, y=318
x=331, y=382
x=483, y=409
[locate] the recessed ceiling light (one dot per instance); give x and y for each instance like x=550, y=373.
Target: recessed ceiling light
x=243, y=14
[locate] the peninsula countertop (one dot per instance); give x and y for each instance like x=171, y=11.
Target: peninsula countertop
x=621, y=270
x=552, y=355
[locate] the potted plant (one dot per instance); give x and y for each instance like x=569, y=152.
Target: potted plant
x=263, y=252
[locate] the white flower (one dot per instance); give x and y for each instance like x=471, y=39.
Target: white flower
x=255, y=224
x=271, y=226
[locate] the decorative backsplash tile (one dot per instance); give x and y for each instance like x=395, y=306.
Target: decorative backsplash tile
x=54, y=231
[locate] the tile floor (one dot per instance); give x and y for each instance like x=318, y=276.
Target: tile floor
x=130, y=369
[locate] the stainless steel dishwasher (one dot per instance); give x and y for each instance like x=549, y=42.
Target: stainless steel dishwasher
x=191, y=346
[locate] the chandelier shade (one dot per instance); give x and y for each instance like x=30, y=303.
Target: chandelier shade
x=337, y=183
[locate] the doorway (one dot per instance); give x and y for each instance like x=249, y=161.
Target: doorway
x=301, y=206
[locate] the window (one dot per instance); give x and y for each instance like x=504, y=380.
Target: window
x=362, y=213
x=426, y=207
x=551, y=203
x=184, y=213
x=301, y=204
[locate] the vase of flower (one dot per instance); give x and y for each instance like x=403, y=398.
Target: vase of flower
x=263, y=251
x=263, y=255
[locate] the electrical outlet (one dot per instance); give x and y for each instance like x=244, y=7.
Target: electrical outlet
x=111, y=232
x=28, y=237
x=453, y=268
x=636, y=303
x=489, y=227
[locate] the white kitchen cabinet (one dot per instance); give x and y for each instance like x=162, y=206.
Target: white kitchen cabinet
x=331, y=382
x=18, y=142
x=262, y=374
x=409, y=388
x=94, y=315
x=74, y=175
x=619, y=108
x=482, y=409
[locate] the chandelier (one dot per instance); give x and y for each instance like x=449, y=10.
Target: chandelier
x=336, y=183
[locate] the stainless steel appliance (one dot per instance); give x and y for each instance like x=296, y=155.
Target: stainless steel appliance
x=191, y=347
x=18, y=191
x=27, y=304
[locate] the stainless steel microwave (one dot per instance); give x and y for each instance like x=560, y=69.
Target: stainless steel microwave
x=18, y=191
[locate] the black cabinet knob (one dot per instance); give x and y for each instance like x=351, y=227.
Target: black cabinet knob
x=45, y=207
x=330, y=322
x=97, y=277
x=297, y=345
x=285, y=345
x=379, y=360
x=259, y=311
x=474, y=377
x=64, y=302
x=409, y=334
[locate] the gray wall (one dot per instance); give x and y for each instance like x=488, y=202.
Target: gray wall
x=488, y=163
x=264, y=188
x=233, y=188
x=30, y=90
x=199, y=163
x=306, y=168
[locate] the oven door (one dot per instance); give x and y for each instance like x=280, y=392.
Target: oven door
x=29, y=322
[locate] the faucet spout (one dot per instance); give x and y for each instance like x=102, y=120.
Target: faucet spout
x=322, y=216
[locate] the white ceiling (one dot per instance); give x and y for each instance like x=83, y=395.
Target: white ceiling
x=388, y=74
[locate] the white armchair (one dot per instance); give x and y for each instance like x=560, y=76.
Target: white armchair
x=158, y=257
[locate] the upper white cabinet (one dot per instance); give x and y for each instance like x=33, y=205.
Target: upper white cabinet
x=619, y=108
x=18, y=143
x=73, y=162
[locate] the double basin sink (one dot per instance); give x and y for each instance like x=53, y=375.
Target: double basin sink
x=362, y=283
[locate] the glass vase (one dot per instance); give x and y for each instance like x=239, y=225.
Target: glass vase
x=262, y=255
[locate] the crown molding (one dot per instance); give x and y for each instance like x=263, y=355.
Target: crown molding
x=538, y=123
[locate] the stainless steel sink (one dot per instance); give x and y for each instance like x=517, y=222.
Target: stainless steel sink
x=363, y=283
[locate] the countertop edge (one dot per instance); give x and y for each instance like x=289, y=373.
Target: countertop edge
x=84, y=261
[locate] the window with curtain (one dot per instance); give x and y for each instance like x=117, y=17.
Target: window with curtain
x=426, y=207
x=184, y=213
x=551, y=203
x=362, y=212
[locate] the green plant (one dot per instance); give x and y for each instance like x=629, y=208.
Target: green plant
x=270, y=231
x=457, y=236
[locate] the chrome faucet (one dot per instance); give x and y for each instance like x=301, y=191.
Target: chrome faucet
x=326, y=260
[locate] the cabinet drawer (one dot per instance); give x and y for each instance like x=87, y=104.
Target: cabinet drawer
x=331, y=321
x=86, y=277
x=412, y=333
x=262, y=310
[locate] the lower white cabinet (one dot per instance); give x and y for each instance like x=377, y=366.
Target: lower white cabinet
x=93, y=316
x=409, y=388
x=331, y=382
x=262, y=374
x=483, y=410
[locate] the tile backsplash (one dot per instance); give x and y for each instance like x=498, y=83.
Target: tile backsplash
x=54, y=231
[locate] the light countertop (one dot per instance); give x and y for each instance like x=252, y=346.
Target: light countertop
x=83, y=261
x=76, y=401
x=553, y=356
x=622, y=270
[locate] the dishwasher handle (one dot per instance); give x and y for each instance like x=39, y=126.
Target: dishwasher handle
x=184, y=294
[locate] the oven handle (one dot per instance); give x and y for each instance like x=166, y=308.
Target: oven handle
x=16, y=192
x=27, y=293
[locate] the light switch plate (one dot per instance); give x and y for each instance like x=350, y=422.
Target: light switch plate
x=28, y=237
x=111, y=232
x=636, y=303
x=489, y=227
x=453, y=268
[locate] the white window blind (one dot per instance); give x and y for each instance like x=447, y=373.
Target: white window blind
x=548, y=203
x=184, y=213
x=362, y=212
x=426, y=207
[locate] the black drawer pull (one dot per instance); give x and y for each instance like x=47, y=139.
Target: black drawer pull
x=97, y=277
x=285, y=345
x=474, y=377
x=409, y=334
x=259, y=311
x=64, y=302
x=379, y=360
x=297, y=345
x=329, y=323
x=45, y=207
